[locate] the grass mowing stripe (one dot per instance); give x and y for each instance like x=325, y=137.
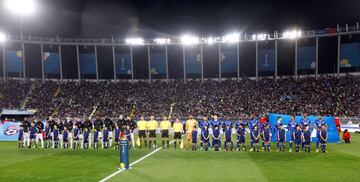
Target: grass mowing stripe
x=135, y=162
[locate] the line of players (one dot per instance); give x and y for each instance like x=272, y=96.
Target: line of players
x=75, y=134
x=300, y=133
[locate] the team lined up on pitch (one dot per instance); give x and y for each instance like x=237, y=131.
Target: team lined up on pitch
x=213, y=135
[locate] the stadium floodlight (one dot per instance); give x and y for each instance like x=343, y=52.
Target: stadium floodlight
x=134, y=41
x=3, y=37
x=162, y=41
x=210, y=40
x=21, y=7
x=189, y=39
x=231, y=38
x=292, y=34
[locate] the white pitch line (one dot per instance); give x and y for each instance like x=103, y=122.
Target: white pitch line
x=135, y=162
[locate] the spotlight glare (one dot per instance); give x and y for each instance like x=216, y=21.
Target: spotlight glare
x=134, y=41
x=210, y=40
x=231, y=38
x=3, y=37
x=22, y=7
x=292, y=34
x=162, y=41
x=188, y=40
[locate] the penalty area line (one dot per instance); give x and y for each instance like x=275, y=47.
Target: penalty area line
x=135, y=162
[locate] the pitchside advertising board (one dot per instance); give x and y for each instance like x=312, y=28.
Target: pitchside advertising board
x=9, y=131
x=332, y=131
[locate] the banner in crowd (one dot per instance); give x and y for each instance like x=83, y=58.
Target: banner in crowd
x=9, y=131
x=87, y=63
x=228, y=59
x=123, y=64
x=14, y=61
x=350, y=55
x=332, y=131
x=51, y=62
x=193, y=61
x=157, y=63
x=266, y=60
x=306, y=58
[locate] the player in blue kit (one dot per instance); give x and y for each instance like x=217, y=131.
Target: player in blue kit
x=307, y=138
x=239, y=122
x=255, y=137
x=281, y=137
x=263, y=127
x=194, y=134
x=304, y=121
x=266, y=137
x=33, y=131
x=96, y=138
x=105, y=138
x=202, y=125
x=276, y=130
x=117, y=136
x=127, y=134
x=228, y=138
x=240, y=137
x=251, y=123
x=226, y=123
x=76, y=136
x=55, y=136
x=206, y=137
x=86, y=138
x=47, y=135
x=291, y=126
x=323, y=138
x=65, y=137
x=298, y=138
x=20, y=137
x=216, y=143
x=318, y=123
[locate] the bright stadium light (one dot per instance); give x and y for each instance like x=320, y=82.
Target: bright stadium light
x=231, y=38
x=292, y=34
x=162, y=41
x=210, y=40
x=21, y=7
x=261, y=36
x=188, y=40
x=134, y=41
x=3, y=37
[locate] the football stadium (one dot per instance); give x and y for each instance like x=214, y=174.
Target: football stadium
x=161, y=90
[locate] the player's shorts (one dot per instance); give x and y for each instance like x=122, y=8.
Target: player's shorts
x=33, y=137
x=266, y=139
x=60, y=137
x=110, y=134
x=65, y=140
x=292, y=137
x=39, y=136
x=255, y=141
x=297, y=142
x=164, y=133
x=152, y=134
x=188, y=135
x=100, y=134
x=241, y=139
x=142, y=134
x=282, y=140
x=307, y=142
x=76, y=138
x=81, y=136
x=177, y=136
x=322, y=142
x=70, y=135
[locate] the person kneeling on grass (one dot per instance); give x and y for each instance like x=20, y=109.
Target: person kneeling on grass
x=346, y=136
x=323, y=138
x=255, y=135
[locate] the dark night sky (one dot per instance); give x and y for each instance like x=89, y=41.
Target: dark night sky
x=153, y=18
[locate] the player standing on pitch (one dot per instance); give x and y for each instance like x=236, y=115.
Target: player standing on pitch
x=39, y=135
x=178, y=130
x=141, y=126
x=109, y=124
x=98, y=125
x=202, y=125
x=291, y=129
x=318, y=124
x=69, y=125
x=253, y=121
x=165, y=126
x=190, y=123
x=304, y=121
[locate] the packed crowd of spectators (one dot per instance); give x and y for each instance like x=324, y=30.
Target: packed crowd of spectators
x=325, y=95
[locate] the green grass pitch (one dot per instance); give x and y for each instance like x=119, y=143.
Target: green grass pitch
x=341, y=163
